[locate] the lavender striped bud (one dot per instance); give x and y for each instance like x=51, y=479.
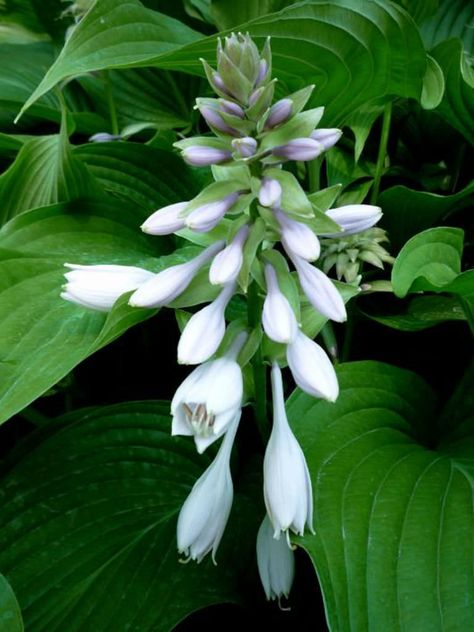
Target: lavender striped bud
x=297, y=238
x=246, y=146
x=203, y=156
x=327, y=137
x=226, y=265
x=166, y=220
x=270, y=192
x=205, y=217
x=299, y=149
x=104, y=137
x=279, y=113
x=354, y=218
x=229, y=107
x=262, y=72
x=214, y=119
x=218, y=83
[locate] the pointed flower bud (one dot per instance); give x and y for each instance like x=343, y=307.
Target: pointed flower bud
x=215, y=120
x=202, y=156
x=98, y=287
x=210, y=398
x=279, y=113
x=207, y=216
x=311, y=368
x=354, y=218
x=104, y=137
x=298, y=238
x=320, y=290
x=246, y=146
x=165, y=286
x=286, y=482
x=204, y=514
x=327, y=137
x=229, y=107
x=270, y=192
x=278, y=318
x=262, y=72
x=299, y=149
x=204, y=331
x=276, y=562
x=166, y=220
x=226, y=265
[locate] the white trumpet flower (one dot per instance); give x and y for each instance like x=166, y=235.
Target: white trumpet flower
x=297, y=238
x=286, y=482
x=210, y=398
x=276, y=562
x=278, y=318
x=320, y=290
x=98, y=287
x=311, y=368
x=204, y=514
x=204, y=331
x=354, y=218
x=165, y=286
x=226, y=265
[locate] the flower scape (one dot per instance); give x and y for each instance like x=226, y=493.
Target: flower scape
x=268, y=240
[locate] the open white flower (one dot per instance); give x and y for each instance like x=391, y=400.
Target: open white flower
x=210, y=398
x=311, y=368
x=286, y=482
x=98, y=287
x=204, y=514
x=276, y=562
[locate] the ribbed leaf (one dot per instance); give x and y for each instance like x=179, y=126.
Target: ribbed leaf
x=393, y=519
x=453, y=18
x=227, y=15
x=88, y=520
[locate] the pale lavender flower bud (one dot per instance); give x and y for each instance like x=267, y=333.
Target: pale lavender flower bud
x=104, y=137
x=219, y=83
x=229, y=107
x=202, y=156
x=299, y=149
x=279, y=113
x=253, y=98
x=278, y=318
x=204, y=330
x=207, y=216
x=262, y=72
x=246, y=146
x=204, y=514
x=165, y=286
x=214, y=119
x=276, y=562
x=286, y=482
x=354, y=218
x=320, y=290
x=270, y=192
x=166, y=220
x=98, y=287
x=311, y=368
x=226, y=265
x=327, y=137
x=298, y=238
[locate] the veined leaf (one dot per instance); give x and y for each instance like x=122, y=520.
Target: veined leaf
x=453, y=18
x=10, y=614
x=227, y=15
x=393, y=518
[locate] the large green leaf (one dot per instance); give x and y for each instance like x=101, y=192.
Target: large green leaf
x=393, y=513
x=453, y=18
x=407, y=212
x=10, y=614
x=428, y=261
x=354, y=53
x=88, y=519
x=227, y=15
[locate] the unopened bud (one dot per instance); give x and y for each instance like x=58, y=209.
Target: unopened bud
x=104, y=137
x=327, y=137
x=166, y=220
x=202, y=156
x=279, y=113
x=299, y=149
x=214, y=119
x=231, y=108
x=207, y=216
x=262, y=72
x=246, y=146
x=270, y=192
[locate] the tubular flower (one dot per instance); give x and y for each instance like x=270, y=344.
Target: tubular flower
x=354, y=218
x=226, y=265
x=278, y=318
x=286, y=482
x=204, y=514
x=276, y=562
x=297, y=238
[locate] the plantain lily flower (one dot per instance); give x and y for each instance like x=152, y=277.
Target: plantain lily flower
x=276, y=562
x=297, y=238
x=226, y=265
x=278, y=318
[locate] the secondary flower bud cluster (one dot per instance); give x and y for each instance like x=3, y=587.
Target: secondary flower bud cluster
x=257, y=204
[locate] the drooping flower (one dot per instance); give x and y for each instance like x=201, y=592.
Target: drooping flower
x=278, y=318
x=226, y=265
x=276, y=562
x=210, y=398
x=311, y=368
x=204, y=514
x=286, y=482
x=99, y=286
x=204, y=331
x=162, y=288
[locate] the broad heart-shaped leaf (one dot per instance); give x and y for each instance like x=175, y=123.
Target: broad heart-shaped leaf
x=428, y=261
x=353, y=52
x=10, y=614
x=407, y=212
x=44, y=337
x=457, y=105
x=393, y=516
x=88, y=520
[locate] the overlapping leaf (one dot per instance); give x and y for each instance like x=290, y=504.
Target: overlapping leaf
x=393, y=518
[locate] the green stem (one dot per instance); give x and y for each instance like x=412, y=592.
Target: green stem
x=349, y=332
x=387, y=116
x=111, y=105
x=314, y=174
x=254, y=308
